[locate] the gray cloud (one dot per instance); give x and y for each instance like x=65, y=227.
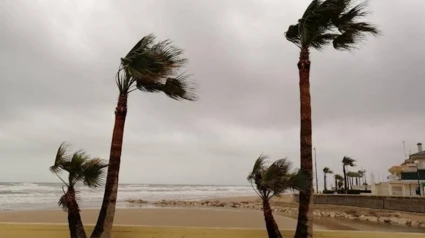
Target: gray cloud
x=58, y=61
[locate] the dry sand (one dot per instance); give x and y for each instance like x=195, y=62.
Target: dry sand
x=161, y=217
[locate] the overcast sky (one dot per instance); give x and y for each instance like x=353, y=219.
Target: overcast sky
x=58, y=60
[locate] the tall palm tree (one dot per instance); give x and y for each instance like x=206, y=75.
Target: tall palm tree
x=80, y=168
x=326, y=171
x=337, y=178
x=323, y=22
x=270, y=181
x=149, y=67
x=346, y=161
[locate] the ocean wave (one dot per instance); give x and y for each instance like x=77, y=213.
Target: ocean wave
x=17, y=196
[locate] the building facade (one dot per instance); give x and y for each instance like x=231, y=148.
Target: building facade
x=406, y=179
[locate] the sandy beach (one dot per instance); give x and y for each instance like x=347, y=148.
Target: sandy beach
x=191, y=217
x=142, y=214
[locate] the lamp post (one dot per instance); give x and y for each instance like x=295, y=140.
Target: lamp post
x=417, y=171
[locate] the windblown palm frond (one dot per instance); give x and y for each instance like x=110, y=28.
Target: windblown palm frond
x=273, y=180
x=259, y=167
x=338, y=177
x=331, y=21
x=92, y=171
x=61, y=156
x=80, y=167
x=347, y=161
x=153, y=67
x=327, y=170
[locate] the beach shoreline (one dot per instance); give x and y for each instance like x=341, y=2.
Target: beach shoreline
x=221, y=215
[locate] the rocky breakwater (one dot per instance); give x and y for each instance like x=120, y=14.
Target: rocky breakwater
x=394, y=218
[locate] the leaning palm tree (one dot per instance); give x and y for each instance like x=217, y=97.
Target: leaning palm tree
x=337, y=178
x=80, y=168
x=149, y=67
x=324, y=22
x=346, y=161
x=326, y=171
x=270, y=181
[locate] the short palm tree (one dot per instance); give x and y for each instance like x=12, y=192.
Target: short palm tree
x=346, y=161
x=270, y=181
x=351, y=178
x=149, y=67
x=361, y=175
x=324, y=22
x=337, y=178
x=326, y=171
x=80, y=168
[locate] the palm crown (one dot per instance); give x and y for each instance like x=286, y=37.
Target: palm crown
x=80, y=167
x=153, y=67
x=338, y=177
x=274, y=179
x=327, y=170
x=347, y=161
x=331, y=21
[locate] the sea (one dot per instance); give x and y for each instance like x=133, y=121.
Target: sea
x=36, y=196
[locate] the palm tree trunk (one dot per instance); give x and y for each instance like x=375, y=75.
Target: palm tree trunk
x=324, y=181
x=345, y=179
x=271, y=225
x=305, y=214
x=105, y=220
x=336, y=184
x=75, y=224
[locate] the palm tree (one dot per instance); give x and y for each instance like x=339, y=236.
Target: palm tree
x=337, y=178
x=361, y=174
x=323, y=22
x=149, y=67
x=270, y=181
x=352, y=176
x=326, y=171
x=80, y=168
x=346, y=161
x=340, y=184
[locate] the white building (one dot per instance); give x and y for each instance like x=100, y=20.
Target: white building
x=404, y=178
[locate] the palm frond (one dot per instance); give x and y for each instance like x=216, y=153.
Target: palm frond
x=179, y=88
x=278, y=176
x=331, y=21
x=153, y=68
x=298, y=181
x=351, y=15
x=276, y=170
x=347, y=161
x=92, y=171
x=258, y=167
x=153, y=61
x=63, y=202
x=140, y=46
x=311, y=8
x=320, y=41
x=61, y=155
x=338, y=177
x=293, y=34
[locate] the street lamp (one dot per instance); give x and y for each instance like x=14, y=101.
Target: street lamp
x=417, y=171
